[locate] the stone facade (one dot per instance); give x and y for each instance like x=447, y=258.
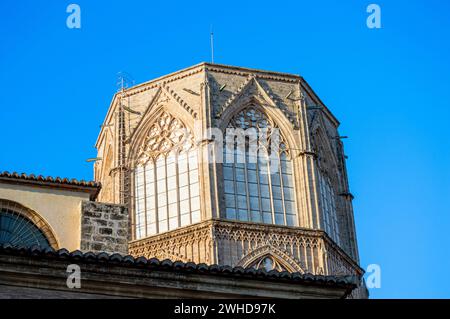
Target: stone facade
x=104, y=228
x=209, y=95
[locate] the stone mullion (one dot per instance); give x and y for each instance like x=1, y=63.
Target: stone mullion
x=280, y=172
x=155, y=179
x=294, y=174
x=167, y=192
x=249, y=214
x=272, y=208
x=177, y=183
x=145, y=198
x=132, y=212
x=189, y=183
x=235, y=184
x=259, y=187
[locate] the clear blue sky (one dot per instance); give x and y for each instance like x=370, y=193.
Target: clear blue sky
x=388, y=87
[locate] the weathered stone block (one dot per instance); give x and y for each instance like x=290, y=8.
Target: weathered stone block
x=105, y=228
x=106, y=231
x=94, y=214
x=101, y=222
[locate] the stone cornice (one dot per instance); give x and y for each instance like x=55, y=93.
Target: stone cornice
x=164, y=80
x=268, y=75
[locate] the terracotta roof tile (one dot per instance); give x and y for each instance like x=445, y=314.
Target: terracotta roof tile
x=349, y=282
x=56, y=180
x=40, y=180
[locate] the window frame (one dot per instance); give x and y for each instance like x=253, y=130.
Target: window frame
x=258, y=167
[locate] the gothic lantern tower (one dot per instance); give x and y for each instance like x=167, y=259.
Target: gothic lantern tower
x=189, y=197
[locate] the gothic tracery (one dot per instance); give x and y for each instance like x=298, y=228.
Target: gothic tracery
x=166, y=134
x=167, y=191
x=259, y=183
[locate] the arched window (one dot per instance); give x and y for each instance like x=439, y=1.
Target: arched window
x=17, y=230
x=167, y=192
x=328, y=200
x=259, y=186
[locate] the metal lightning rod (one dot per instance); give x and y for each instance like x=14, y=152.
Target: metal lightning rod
x=212, y=44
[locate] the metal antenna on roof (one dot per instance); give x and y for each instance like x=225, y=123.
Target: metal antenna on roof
x=212, y=44
x=124, y=81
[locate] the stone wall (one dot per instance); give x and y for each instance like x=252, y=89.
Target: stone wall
x=212, y=94
x=104, y=228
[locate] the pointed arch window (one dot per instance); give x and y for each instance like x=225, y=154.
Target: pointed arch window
x=167, y=191
x=328, y=199
x=258, y=186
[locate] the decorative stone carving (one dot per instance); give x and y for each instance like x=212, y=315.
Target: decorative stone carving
x=280, y=260
x=245, y=244
x=166, y=134
x=249, y=90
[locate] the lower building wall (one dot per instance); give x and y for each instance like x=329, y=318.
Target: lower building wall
x=39, y=274
x=17, y=292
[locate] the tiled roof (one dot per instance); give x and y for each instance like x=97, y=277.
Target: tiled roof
x=49, y=179
x=349, y=282
x=93, y=188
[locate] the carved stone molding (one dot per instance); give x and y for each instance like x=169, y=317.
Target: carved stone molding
x=251, y=89
x=178, y=98
x=316, y=253
x=167, y=79
x=288, y=262
x=275, y=76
